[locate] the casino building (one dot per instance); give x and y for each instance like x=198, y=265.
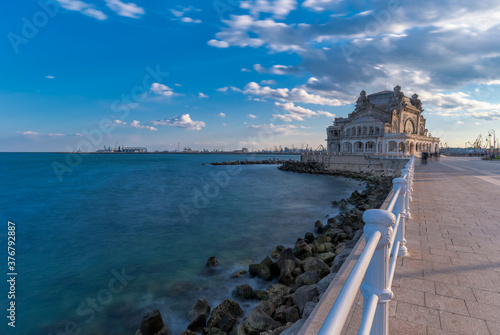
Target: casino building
x=383, y=123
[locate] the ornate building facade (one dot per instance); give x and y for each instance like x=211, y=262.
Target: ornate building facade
x=386, y=122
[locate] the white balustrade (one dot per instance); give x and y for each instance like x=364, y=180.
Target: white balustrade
x=385, y=237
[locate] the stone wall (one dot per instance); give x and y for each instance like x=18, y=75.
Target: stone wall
x=356, y=163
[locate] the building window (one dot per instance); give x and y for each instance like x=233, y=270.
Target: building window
x=370, y=146
x=348, y=132
x=358, y=147
x=393, y=146
x=347, y=147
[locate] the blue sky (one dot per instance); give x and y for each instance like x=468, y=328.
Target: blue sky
x=226, y=73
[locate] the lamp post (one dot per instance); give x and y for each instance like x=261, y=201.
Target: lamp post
x=492, y=132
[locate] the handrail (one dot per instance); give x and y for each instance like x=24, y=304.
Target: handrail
x=385, y=235
x=339, y=312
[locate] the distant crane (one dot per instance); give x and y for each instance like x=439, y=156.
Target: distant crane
x=477, y=142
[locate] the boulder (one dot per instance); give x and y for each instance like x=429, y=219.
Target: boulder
x=244, y=291
x=318, y=227
x=258, y=321
x=295, y=328
x=188, y=332
x=302, y=250
x=262, y=270
x=322, y=239
x=346, y=228
x=287, y=272
x=201, y=307
x=314, y=264
x=239, y=274
x=152, y=324
x=225, y=316
x=292, y=314
x=307, y=278
x=277, y=251
x=336, y=234
x=280, y=263
x=308, y=309
x=213, y=331
x=325, y=282
x=239, y=330
x=326, y=257
x=277, y=296
x=212, y=261
x=309, y=238
x=198, y=324
x=339, y=260
x=303, y=295
x=355, y=239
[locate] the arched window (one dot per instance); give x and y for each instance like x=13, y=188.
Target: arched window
x=347, y=147
x=377, y=130
x=370, y=131
x=358, y=147
x=370, y=146
x=409, y=127
x=359, y=131
x=365, y=131
x=393, y=146
x=348, y=132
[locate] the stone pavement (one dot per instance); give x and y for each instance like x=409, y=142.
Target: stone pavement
x=450, y=282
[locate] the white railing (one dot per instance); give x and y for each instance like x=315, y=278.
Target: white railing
x=385, y=237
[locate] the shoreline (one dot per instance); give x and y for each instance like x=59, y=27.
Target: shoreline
x=297, y=276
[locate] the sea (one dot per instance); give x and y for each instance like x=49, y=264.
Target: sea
x=103, y=239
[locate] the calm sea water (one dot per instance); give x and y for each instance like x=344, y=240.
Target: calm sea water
x=121, y=235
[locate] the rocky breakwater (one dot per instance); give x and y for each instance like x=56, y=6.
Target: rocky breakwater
x=298, y=276
x=256, y=162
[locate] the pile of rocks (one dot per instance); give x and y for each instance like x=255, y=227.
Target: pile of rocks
x=256, y=162
x=301, y=274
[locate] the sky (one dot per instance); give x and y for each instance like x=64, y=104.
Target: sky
x=227, y=74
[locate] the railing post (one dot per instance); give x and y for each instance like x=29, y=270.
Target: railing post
x=407, y=171
x=377, y=276
x=400, y=208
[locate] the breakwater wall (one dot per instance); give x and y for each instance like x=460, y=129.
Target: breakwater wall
x=355, y=163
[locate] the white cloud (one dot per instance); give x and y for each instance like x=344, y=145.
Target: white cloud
x=177, y=13
x=49, y=77
x=277, y=129
x=297, y=113
x=222, y=89
x=279, y=8
x=222, y=115
x=293, y=95
x=125, y=9
x=183, y=121
x=82, y=7
x=245, y=70
x=34, y=133
x=202, y=95
x=218, y=44
x=276, y=69
x=136, y=124
x=178, y=85
x=268, y=82
x=28, y=132
x=161, y=89
x=186, y=19
x=252, y=116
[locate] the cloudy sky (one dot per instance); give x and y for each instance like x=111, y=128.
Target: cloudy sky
x=227, y=73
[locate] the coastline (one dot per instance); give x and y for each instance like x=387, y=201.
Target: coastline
x=298, y=276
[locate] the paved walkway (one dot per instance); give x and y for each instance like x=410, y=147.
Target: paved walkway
x=450, y=282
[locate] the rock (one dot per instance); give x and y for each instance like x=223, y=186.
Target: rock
x=329, y=246
x=244, y=291
x=322, y=239
x=295, y=328
x=225, y=316
x=339, y=260
x=212, y=261
x=326, y=257
x=325, y=282
x=262, y=270
x=286, y=275
x=213, y=331
x=188, y=332
x=350, y=244
x=308, y=309
x=198, y=323
x=239, y=274
x=152, y=324
x=292, y=314
x=303, y=295
x=309, y=238
x=318, y=248
x=238, y=330
x=281, y=329
x=336, y=234
x=347, y=229
x=307, y=278
x=258, y=321
x=278, y=296
x=276, y=253
x=302, y=250
x=331, y=221
x=314, y=264
x=318, y=227
x=339, y=248
x=335, y=203
x=280, y=263
x=344, y=207
x=201, y=307
x=261, y=295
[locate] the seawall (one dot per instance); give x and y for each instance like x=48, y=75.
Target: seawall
x=356, y=163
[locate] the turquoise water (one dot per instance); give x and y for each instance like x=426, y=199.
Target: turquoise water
x=123, y=234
